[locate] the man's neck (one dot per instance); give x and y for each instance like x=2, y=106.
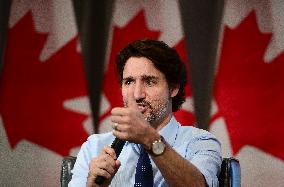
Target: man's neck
x=159, y=125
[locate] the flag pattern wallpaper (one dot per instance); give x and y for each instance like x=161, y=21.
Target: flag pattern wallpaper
x=44, y=104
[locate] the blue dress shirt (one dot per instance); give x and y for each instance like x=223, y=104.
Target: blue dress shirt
x=197, y=146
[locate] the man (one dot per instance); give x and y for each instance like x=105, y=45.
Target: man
x=152, y=79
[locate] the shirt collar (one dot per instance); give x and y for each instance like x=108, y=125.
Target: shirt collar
x=169, y=132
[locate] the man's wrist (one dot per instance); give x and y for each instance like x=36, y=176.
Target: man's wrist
x=150, y=138
x=155, y=144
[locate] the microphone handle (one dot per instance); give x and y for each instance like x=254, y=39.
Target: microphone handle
x=117, y=145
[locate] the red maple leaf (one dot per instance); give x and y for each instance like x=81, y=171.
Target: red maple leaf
x=33, y=92
x=250, y=92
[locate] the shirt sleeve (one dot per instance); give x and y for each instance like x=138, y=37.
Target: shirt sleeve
x=90, y=149
x=81, y=168
x=204, y=152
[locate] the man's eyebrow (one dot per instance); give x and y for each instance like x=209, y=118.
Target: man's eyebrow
x=149, y=77
x=127, y=78
x=143, y=77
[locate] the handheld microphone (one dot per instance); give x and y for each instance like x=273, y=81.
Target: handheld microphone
x=117, y=145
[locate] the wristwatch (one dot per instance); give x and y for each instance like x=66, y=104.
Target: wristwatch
x=158, y=147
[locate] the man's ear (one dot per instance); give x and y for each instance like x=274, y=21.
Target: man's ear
x=174, y=91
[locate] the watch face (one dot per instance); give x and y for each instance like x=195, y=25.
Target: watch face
x=158, y=147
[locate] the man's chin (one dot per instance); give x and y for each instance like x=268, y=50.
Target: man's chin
x=150, y=119
x=146, y=114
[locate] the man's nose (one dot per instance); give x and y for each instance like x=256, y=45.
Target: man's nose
x=139, y=92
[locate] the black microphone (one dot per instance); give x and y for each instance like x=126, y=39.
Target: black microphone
x=117, y=145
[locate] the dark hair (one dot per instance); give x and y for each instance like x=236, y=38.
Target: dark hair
x=164, y=58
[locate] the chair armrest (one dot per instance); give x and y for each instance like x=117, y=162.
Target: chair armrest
x=230, y=175
x=66, y=167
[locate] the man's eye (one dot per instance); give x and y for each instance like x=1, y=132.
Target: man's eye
x=127, y=82
x=151, y=82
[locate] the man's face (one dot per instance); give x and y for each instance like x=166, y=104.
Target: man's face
x=149, y=87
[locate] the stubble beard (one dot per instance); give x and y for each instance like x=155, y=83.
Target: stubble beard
x=157, y=113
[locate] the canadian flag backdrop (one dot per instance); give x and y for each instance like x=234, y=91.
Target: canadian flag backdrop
x=249, y=90
x=44, y=109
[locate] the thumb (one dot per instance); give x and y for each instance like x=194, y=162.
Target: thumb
x=117, y=164
x=131, y=101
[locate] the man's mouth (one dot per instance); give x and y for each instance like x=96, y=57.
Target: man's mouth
x=143, y=107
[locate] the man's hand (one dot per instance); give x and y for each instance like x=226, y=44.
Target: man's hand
x=130, y=124
x=104, y=165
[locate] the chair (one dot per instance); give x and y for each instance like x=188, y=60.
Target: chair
x=230, y=175
x=66, y=167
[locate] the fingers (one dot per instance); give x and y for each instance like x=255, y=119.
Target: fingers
x=119, y=111
x=108, y=164
x=105, y=162
x=102, y=172
x=120, y=119
x=131, y=102
x=104, y=165
x=122, y=135
x=109, y=151
x=122, y=128
x=115, y=126
x=101, y=168
x=132, y=107
x=117, y=119
x=117, y=164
